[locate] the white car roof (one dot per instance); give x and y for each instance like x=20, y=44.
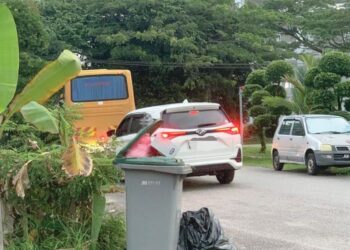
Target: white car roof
x=155, y=111
x=308, y=116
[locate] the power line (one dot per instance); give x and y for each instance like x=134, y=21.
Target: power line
x=176, y=65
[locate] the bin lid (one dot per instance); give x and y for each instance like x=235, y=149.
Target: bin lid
x=158, y=164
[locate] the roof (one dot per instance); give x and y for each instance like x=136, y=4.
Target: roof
x=155, y=111
x=309, y=116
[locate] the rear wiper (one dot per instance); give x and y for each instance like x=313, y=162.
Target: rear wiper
x=206, y=124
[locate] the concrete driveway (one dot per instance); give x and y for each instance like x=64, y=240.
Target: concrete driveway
x=264, y=209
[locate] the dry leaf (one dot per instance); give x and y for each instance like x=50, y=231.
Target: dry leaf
x=76, y=161
x=21, y=180
x=33, y=144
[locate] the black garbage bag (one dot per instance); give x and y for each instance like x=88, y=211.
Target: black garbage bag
x=201, y=230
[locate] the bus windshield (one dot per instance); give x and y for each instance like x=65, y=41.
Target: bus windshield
x=99, y=88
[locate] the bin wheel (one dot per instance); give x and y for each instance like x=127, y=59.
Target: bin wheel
x=225, y=176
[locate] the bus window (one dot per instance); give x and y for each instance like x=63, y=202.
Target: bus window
x=99, y=88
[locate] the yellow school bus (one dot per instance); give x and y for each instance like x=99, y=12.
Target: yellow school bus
x=103, y=97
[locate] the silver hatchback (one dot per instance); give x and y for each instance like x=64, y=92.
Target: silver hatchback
x=318, y=141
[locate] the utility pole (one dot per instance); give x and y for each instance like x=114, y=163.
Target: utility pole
x=241, y=113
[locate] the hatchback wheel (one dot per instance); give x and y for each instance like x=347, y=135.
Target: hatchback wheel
x=226, y=176
x=311, y=165
x=276, y=161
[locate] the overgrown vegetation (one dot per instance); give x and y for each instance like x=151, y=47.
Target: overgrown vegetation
x=50, y=192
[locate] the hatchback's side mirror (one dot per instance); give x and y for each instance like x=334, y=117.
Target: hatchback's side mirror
x=111, y=132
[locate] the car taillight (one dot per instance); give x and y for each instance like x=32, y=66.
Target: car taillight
x=230, y=130
x=171, y=135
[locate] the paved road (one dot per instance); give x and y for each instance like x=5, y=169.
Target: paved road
x=264, y=209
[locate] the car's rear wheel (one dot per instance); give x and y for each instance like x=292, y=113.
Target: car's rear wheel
x=225, y=176
x=311, y=165
x=276, y=161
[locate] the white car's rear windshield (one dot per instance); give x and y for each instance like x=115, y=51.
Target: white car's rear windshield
x=195, y=119
x=325, y=125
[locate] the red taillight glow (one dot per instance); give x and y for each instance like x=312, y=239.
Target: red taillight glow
x=229, y=130
x=171, y=135
x=193, y=112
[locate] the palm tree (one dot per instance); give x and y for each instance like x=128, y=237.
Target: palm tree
x=300, y=92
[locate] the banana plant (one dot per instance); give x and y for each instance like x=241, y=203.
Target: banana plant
x=9, y=64
x=9, y=59
x=46, y=83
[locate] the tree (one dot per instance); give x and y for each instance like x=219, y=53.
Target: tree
x=175, y=49
x=322, y=88
x=266, y=105
x=335, y=62
x=301, y=21
x=32, y=37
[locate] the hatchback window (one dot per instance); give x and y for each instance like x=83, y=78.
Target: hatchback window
x=123, y=128
x=285, y=127
x=195, y=119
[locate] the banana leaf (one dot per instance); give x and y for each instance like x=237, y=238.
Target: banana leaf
x=9, y=57
x=40, y=117
x=76, y=161
x=47, y=82
x=98, y=208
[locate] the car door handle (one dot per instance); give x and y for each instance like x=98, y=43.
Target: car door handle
x=278, y=138
x=291, y=139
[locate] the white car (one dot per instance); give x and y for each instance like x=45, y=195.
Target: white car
x=201, y=134
x=318, y=141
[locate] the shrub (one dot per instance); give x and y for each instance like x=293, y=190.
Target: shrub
x=257, y=77
x=249, y=130
x=277, y=70
x=250, y=89
x=335, y=62
x=310, y=76
x=112, y=234
x=347, y=104
x=323, y=98
x=342, y=89
x=276, y=90
x=320, y=111
x=264, y=121
x=278, y=106
x=53, y=200
x=258, y=96
x=326, y=80
x=257, y=110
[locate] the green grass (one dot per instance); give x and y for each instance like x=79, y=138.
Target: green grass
x=253, y=157
x=74, y=236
